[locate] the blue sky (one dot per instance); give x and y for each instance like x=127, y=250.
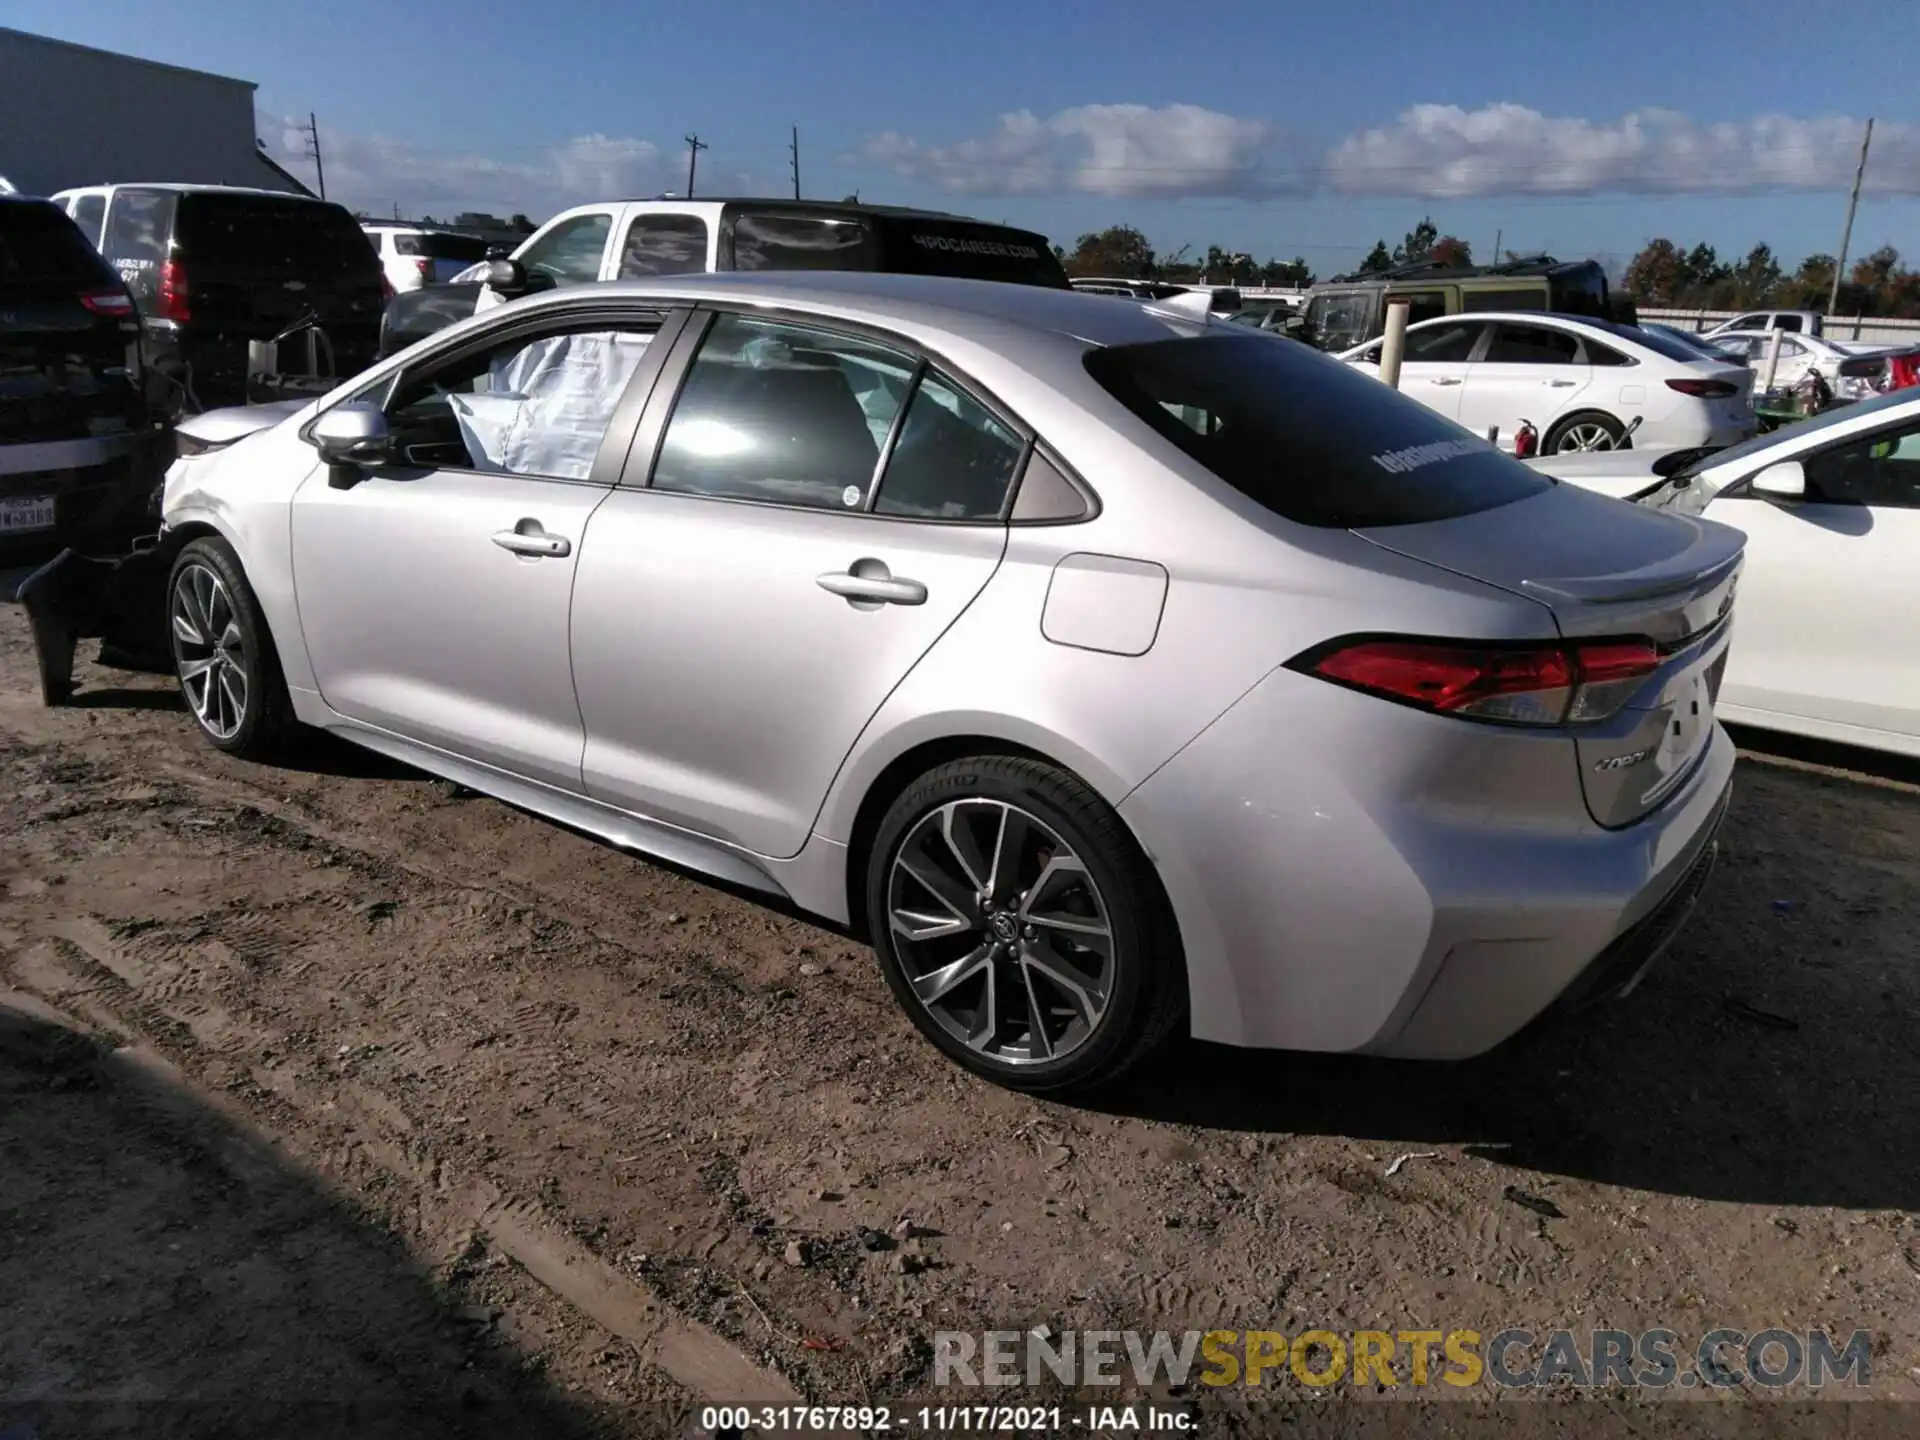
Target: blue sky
x=1273, y=128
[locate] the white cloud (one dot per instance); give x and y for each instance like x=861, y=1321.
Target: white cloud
x=375, y=173
x=1437, y=151
x=1167, y=152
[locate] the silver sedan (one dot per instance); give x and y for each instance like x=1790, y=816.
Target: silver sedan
x=1113, y=670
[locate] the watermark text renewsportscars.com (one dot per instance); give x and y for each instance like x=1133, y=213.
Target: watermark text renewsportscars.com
x=1514, y=1359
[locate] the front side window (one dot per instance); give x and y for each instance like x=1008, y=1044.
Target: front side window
x=537, y=406
x=953, y=460
x=1439, y=345
x=1307, y=438
x=1531, y=345
x=782, y=414
x=1343, y=319
x=1882, y=469
x=570, y=252
x=664, y=245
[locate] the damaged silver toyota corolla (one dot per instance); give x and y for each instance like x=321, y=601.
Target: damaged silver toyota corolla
x=1113, y=669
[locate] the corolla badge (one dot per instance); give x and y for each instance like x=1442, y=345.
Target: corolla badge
x=1622, y=762
x=294, y=285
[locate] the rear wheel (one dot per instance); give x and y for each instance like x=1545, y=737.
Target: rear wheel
x=1020, y=926
x=223, y=653
x=1587, y=430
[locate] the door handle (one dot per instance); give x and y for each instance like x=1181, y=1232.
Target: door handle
x=875, y=588
x=1445, y=380
x=528, y=538
x=1558, y=384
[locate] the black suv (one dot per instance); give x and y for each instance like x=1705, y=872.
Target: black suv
x=78, y=452
x=214, y=268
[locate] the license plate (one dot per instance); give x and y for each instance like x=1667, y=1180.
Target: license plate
x=26, y=512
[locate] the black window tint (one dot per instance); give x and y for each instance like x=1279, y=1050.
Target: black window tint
x=1531, y=345
x=1594, y=353
x=534, y=405
x=41, y=247
x=1787, y=322
x=442, y=247
x=1520, y=297
x=262, y=235
x=953, y=460
x=571, y=252
x=1308, y=438
x=664, y=245
x=136, y=240
x=781, y=414
x=88, y=213
x=802, y=242
x=1581, y=290
x=1881, y=469
x=1046, y=494
x=1438, y=344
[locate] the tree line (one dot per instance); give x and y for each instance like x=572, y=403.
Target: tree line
x=1663, y=275
x=1122, y=251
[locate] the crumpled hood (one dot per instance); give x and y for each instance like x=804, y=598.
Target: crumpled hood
x=236, y=422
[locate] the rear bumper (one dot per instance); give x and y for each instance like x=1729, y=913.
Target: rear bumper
x=1350, y=875
x=97, y=485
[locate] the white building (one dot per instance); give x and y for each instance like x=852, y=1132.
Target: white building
x=72, y=115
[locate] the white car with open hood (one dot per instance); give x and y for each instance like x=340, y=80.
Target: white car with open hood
x=1830, y=601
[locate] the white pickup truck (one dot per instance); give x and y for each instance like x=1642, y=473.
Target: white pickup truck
x=1804, y=322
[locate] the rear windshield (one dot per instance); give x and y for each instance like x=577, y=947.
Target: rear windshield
x=803, y=242
x=442, y=247
x=972, y=252
x=258, y=234
x=1580, y=290
x=1311, y=439
x=40, y=246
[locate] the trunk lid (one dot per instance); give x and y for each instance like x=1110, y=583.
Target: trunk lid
x=1611, y=571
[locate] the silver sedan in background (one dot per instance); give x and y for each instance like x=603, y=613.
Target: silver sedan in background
x=1113, y=670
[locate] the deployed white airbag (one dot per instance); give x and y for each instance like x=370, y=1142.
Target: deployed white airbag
x=544, y=409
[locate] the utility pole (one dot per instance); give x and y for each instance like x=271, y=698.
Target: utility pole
x=1846, y=235
x=796, y=162
x=313, y=152
x=1498, y=236
x=694, y=146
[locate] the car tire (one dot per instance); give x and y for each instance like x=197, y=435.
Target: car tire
x=223, y=653
x=1078, y=940
x=1581, y=424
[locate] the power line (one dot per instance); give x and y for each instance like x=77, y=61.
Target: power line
x=313, y=152
x=694, y=146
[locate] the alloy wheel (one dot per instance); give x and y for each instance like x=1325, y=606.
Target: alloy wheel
x=1586, y=436
x=208, y=651
x=1001, y=932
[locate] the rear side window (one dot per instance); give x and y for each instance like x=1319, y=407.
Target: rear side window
x=136, y=240
x=664, y=245
x=803, y=242
x=1311, y=440
x=1519, y=297
x=41, y=248
x=265, y=235
x=1341, y=320
x=953, y=460
x=1438, y=344
x=1424, y=305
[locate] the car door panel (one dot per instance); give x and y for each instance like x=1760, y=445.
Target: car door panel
x=419, y=620
x=722, y=679
x=1517, y=379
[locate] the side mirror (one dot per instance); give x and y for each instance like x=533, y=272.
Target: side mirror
x=1785, y=480
x=509, y=279
x=352, y=434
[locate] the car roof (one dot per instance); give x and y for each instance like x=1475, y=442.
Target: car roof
x=976, y=310
x=182, y=188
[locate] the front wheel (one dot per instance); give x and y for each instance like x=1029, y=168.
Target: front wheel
x=1589, y=430
x=223, y=653
x=1020, y=926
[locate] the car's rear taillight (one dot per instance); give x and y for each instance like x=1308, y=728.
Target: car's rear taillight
x=423, y=268
x=1705, y=389
x=108, y=302
x=172, y=297
x=1524, y=684
x=1903, y=371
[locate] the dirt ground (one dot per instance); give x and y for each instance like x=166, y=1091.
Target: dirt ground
x=332, y=1083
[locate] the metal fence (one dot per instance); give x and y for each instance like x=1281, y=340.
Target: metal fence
x=1836, y=327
